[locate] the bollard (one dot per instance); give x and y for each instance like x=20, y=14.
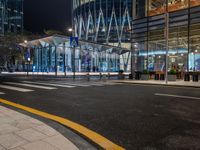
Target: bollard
x=88, y=77
x=108, y=75
x=100, y=75
x=104, y=77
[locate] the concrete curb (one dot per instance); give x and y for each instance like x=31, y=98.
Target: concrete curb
x=157, y=84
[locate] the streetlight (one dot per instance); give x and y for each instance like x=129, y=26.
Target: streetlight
x=70, y=30
x=28, y=58
x=74, y=52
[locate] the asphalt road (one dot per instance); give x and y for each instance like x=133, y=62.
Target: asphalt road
x=132, y=116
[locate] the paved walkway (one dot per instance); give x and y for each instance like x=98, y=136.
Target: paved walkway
x=180, y=83
x=21, y=132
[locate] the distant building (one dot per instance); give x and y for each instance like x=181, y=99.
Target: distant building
x=11, y=16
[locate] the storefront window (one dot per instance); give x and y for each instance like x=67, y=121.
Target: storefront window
x=156, y=7
x=140, y=9
x=141, y=55
x=178, y=48
x=156, y=51
x=194, y=3
x=174, y=5
x=194, y=54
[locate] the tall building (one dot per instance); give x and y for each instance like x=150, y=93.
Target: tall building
x=11, y=16
x=151, y=43
x=103, y=21
x=110, y=21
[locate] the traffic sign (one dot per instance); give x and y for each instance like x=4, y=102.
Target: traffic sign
x=73, y=41
x=28, y=55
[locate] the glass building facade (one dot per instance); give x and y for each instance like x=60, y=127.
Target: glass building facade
x=104, y=21
x=55, y=54
x=151, y=20
x=11, y=16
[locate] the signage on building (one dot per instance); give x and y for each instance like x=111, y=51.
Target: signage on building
x=73, y=41
x=28, y=55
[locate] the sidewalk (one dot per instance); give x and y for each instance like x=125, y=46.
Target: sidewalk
x=178, y=83
x=21, y=132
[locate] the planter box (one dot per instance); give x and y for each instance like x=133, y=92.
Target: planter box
x=137, y=75
x=121, y=76
x=145, y=77
x=195, y=77
x=187, y=77
x=171, y=77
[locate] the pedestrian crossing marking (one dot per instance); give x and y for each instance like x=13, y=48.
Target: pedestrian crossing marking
x=96, y=84
x=31, y=85
x=2, y=93
x=66, y=84
x=91, y=83
x=69, y=84
x=72, y=84
x=49, y=84
x=15, y=88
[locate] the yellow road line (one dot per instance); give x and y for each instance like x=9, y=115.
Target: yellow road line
x=93, y=136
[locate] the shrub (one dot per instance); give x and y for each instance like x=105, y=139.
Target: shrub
x=172, y=72
x=121, y=71
x=145, y=72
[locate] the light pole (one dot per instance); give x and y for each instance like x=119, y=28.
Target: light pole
x=74, y=53
x=70, y=30
x=28, y=57
x=29, y=63
x=166, y=38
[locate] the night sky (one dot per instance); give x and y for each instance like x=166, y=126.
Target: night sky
x=47, y=14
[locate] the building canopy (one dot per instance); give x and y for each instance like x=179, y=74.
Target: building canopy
x=57, y=40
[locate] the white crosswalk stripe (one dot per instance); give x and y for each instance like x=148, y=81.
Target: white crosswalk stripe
x=109, y=83
x=31, y=85
x=49, y=84
x=90, y=83
x=2, y=93
x=76, y=84
x=96, y=84
x=15, y=88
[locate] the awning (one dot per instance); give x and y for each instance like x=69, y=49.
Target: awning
x=57, y=40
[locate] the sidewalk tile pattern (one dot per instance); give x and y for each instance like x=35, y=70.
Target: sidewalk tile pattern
x=21, y=132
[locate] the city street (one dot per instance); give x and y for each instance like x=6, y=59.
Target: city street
x=136, y=117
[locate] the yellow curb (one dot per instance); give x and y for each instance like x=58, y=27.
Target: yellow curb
x=93, y=136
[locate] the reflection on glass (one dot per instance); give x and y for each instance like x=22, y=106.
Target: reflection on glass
x=156, y=7
x=140, y=8
x=194, y=3
x=178, y=47
x=86, y=60
x=157, y=51
x=174, y=5
x=141, y=54
x=194, y=55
